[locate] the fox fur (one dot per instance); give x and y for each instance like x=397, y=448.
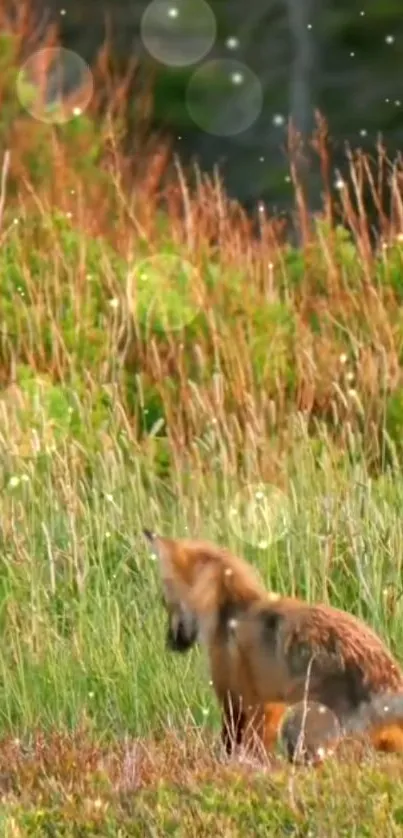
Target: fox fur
x=267, y=652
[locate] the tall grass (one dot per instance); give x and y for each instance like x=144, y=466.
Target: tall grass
x=82, y=623
x=127, y=401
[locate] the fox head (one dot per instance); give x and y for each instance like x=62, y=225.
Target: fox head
x=201, y=584
x=183, y=627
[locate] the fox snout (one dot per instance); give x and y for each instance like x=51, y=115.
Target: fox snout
x=182, y=632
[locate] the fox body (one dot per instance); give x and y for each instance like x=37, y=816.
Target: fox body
x=267, y=652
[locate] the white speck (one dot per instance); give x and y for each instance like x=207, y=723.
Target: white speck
x=261, y=159
x=107, y=534
x=259, y=495
x=205, y=711
x=210, y=683
x=16, y=220
x=62, y=11
x=350, y=376
x=237, y=78
x=24, y=478
x=91, y=695
x=397, y=103
x=261, y=207
x=390, y=39
x=352, y=392
x=322, y=709
x=321, y=753
x=287, y=179
x=232, y=43
x=352, y=54
x=386, y=708
x=232, y=624
x=363, y=132
x=343, y=358
x=399, y=237
x=13, y=482
x=173, y=12
x=339, y=184
x=278, y=119
x=114, y=303
x=77, y=111
x=387, y=100
x=228, y=571
x=263, y=544
x=362, y=14
x=109, y=497
x=309, y=26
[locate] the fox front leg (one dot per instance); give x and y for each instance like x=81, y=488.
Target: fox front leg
x=233, y=724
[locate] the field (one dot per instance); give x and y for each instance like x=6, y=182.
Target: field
x=162, y=364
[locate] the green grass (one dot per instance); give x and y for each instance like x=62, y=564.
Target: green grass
x=80, y=610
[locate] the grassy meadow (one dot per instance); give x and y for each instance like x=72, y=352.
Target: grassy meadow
x=164, y=364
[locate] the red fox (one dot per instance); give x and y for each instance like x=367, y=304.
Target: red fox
x=267, y=652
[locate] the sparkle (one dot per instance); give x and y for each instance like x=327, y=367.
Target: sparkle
x=232, y=43
x=237, y=78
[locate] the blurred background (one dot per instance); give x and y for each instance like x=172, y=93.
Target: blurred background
x=342, y=58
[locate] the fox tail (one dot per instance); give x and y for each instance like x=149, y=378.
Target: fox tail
x=310, y=731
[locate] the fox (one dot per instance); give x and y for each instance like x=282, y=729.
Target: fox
x=268, y=652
